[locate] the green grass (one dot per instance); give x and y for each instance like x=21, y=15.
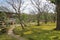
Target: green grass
x=43, y=32
x=6, y=37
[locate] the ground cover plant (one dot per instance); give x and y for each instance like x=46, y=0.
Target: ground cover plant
x=43, y=32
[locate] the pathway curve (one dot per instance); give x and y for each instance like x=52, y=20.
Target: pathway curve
x=10, y=32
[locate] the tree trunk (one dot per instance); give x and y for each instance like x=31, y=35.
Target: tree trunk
x=20, y=20
x=54, y=19
x=22, y=25
x=58, y=14
x=46, y=21
x=38, y=22
x=38, y=19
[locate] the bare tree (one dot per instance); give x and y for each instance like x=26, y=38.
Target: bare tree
x=37, y=5
x=17, y=5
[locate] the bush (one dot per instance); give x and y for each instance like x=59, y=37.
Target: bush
x=3, y=30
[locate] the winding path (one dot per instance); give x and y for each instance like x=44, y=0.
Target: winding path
x=10, y=32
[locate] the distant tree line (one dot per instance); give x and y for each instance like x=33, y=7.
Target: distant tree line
x=41, y=15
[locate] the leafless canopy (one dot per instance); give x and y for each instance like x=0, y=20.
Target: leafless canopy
x=16, y=5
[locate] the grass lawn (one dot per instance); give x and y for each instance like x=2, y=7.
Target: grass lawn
x=6, y=37
x=43, y=32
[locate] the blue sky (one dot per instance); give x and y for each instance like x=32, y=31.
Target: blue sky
x=29, y=7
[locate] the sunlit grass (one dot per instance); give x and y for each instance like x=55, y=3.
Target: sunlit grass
x=48, y=26
x=28, y=32
x=43, y=32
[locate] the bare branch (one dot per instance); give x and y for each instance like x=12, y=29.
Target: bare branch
x=24, y=7
x=12, y=4
x=36, y=4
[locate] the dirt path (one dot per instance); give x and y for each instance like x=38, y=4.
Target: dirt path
x=10, y=32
